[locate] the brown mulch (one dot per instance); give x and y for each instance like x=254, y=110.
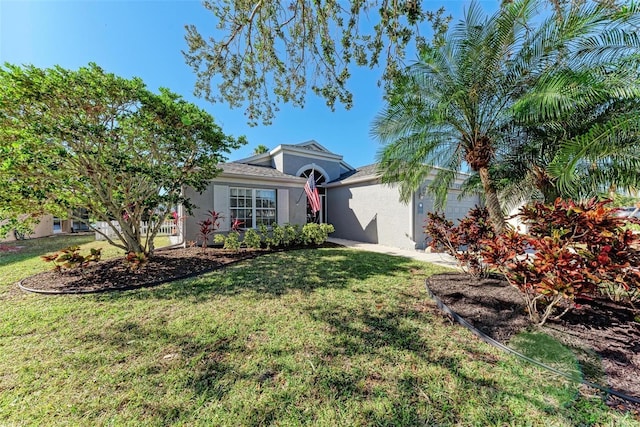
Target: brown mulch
x=114, y=275
x=610, y=331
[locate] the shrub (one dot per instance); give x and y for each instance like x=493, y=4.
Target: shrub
x=277, y=235
x=264, y=233
x=572, y=250
x=232, y=242
x=292, y=235
x=70, y=258
x=316, y=234
x=135, y=260
x=207, y=227
x=252, y=239
x=464, y=241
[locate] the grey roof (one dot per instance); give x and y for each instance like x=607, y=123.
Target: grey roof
x=254, y=170
x=369, y=171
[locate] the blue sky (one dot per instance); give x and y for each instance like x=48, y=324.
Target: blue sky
x=145, y=39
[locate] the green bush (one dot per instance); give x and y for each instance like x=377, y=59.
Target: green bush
x=252, y=239
x=316, y=234
x=280, y=236
x=277, y=235
x=232, y=242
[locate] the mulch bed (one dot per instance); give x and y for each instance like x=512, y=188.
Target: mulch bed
x=611, y=331
x=114, y=275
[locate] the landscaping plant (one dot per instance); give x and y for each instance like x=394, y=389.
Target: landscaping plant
x=209, y=226
x=572, y=250
x=464, y=241
x=70, y=258
x=135, y=260
x=232, y=242
x=316, y=234
x=88, y=140
x=252, y=239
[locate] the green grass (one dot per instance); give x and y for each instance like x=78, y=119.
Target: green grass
x=312, y=337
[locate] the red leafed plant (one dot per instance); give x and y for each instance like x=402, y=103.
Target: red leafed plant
x=572, y=249
x=464, y=241
x=70, y=258
x=207, y=227
x=236, y=225
x=135, y=260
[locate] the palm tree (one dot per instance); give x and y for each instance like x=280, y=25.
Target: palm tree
x=260, y=149
x=588, y=151
x=457, y=103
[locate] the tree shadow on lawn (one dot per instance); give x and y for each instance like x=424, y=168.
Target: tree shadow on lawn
x=208, y=373
x=393, y=333
x=276, y=274
x=387, y=335
x=211, y=368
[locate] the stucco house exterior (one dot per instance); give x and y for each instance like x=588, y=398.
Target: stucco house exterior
x=269, y=187
x=49, y=225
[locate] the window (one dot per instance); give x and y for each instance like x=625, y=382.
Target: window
x=57, y=225
x=254, y=207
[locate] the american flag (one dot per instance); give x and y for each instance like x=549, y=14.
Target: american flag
x=312, y=194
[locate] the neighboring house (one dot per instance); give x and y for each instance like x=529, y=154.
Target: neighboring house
x=269, y=187
x=49, y=225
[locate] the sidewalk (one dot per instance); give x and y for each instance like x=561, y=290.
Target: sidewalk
x=434, y=258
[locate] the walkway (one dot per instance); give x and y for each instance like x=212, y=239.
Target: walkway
x=434, y=258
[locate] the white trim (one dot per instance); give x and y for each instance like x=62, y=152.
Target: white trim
x=303, y=152
x=292, y=181
x=314, y=167
x=254, y=208
x=313, y=142
x=261, y=156
x=368, y=178
x=298, y=149
x=458, y=180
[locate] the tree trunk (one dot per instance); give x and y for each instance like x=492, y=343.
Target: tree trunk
x=493, y=204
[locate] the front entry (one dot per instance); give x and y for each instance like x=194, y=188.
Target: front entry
x=320, y=216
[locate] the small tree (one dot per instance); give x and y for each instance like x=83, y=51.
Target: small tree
x=89, y=139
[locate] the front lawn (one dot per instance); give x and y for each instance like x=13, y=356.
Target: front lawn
x=310, y=337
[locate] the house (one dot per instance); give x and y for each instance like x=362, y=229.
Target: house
x=269, y=187
x=49, y=225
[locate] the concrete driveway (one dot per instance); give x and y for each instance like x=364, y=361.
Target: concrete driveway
x=434, y=258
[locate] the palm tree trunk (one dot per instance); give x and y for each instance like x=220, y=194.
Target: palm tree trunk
x=493, y=204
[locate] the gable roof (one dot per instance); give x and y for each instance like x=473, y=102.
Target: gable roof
x=311, y=145
x=310, y=149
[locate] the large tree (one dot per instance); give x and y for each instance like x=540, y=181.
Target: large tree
x=458, y=101
x=90, y=139
x=262, y=53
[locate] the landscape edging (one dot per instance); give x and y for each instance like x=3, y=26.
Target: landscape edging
x=486, y=338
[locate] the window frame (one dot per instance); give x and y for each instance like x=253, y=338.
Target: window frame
x=254, y=208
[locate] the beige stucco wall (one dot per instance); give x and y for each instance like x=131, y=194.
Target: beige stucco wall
x=42, y=229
